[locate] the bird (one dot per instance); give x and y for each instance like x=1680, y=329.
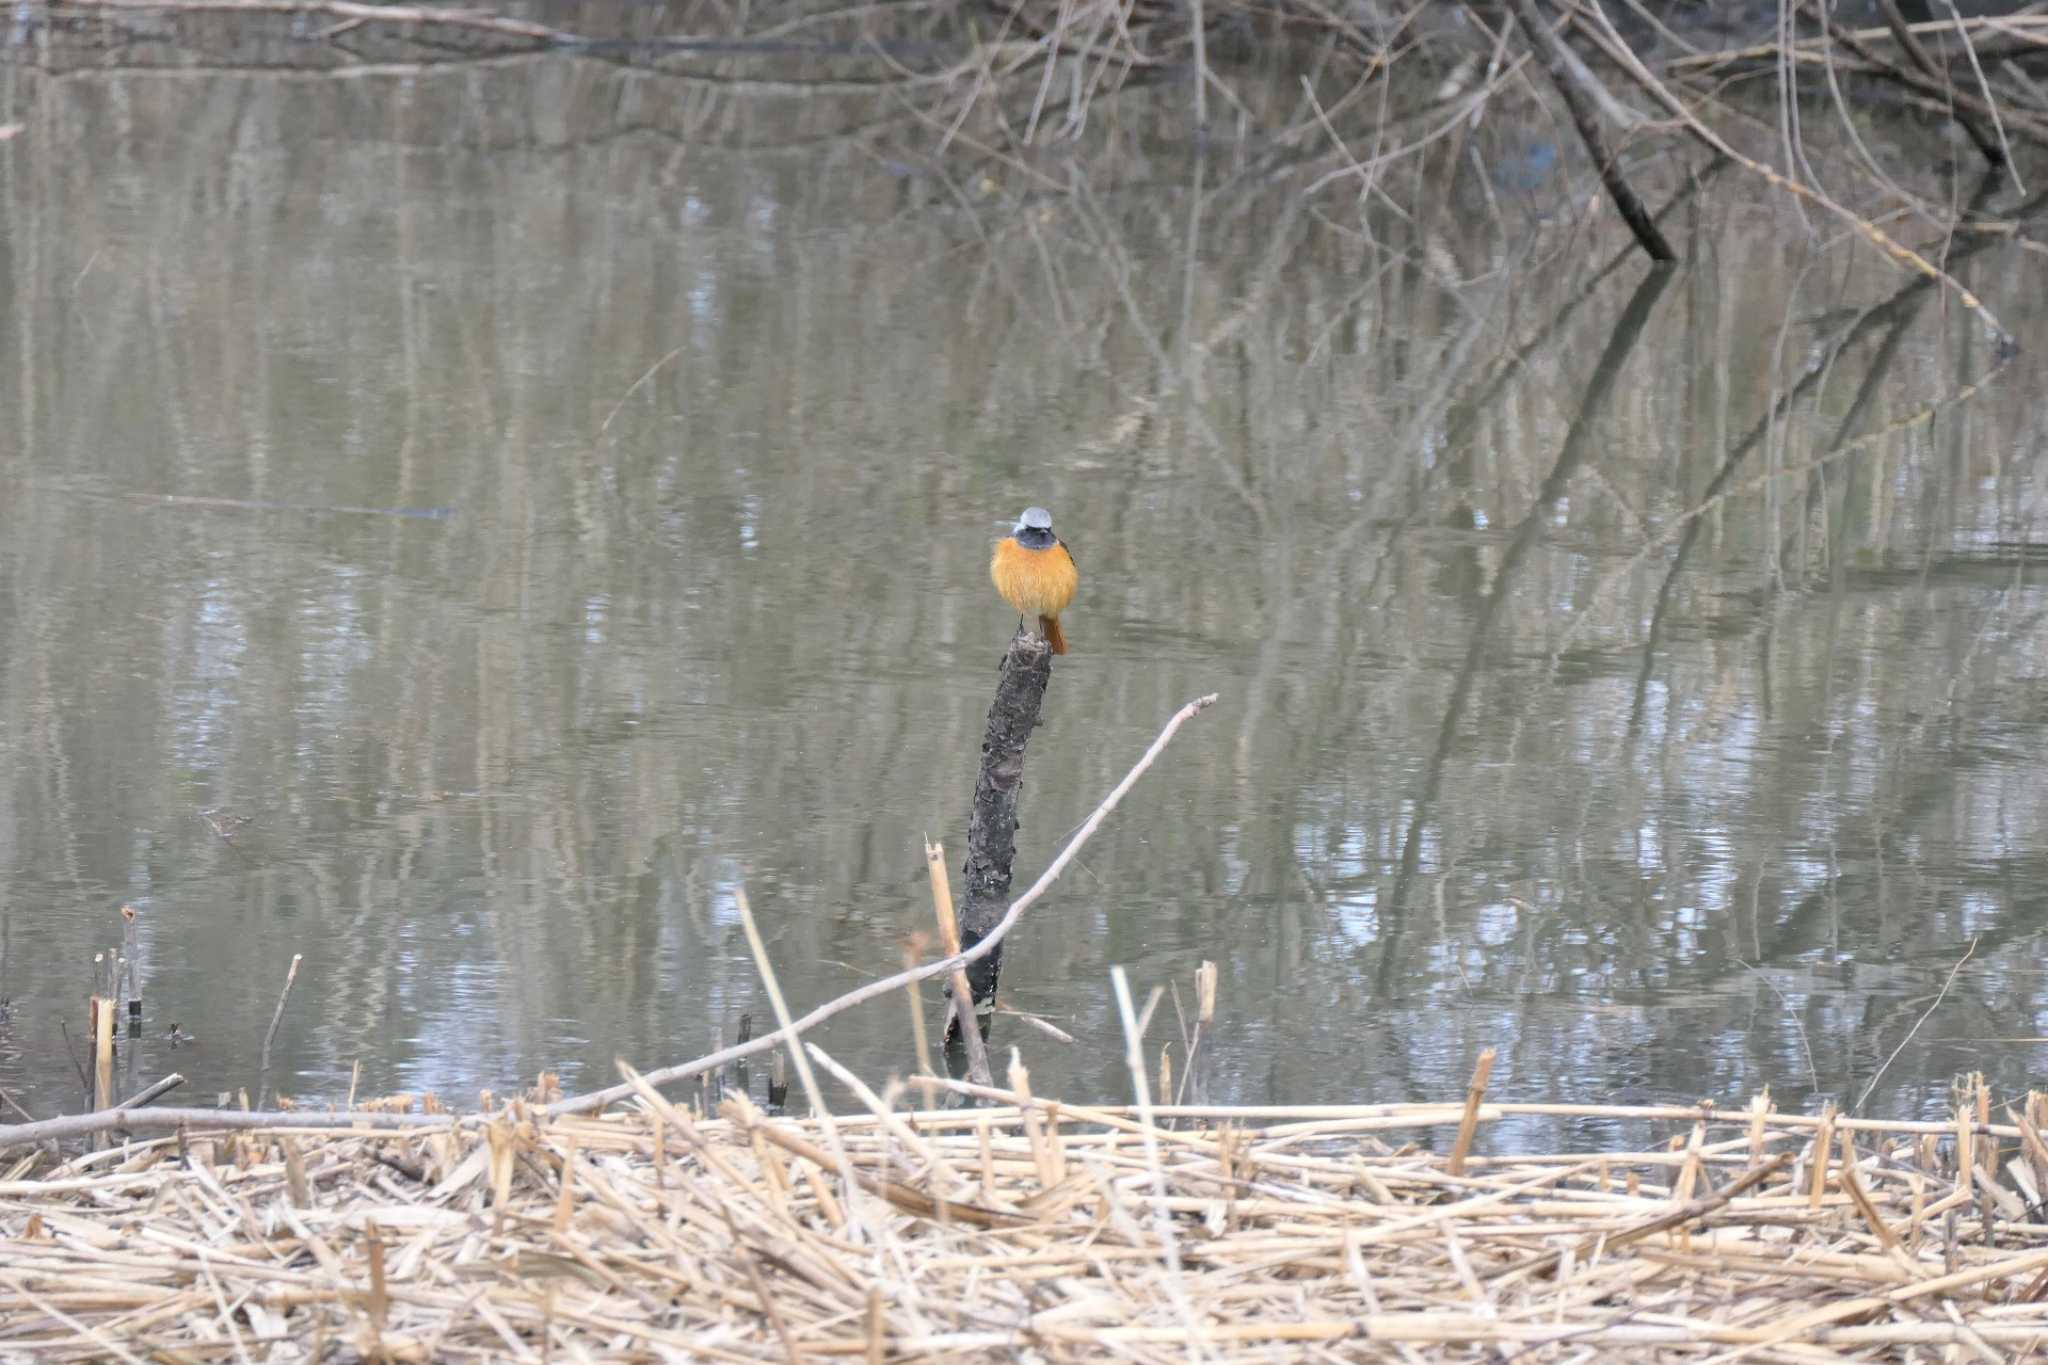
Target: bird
x=1034, y=571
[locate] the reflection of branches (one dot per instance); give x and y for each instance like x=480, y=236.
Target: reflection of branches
x=1578, y=440
x=1461, y=413
x=1441, y=408
x=1723, y=488
x=1908, y=302
x=1469, y=410
x=1611, y=43
x=1894, y=314
x=1185, y=380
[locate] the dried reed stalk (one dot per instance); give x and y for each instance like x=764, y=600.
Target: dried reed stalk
x=102, y=1057
x=965, y=1026
x=523, y=1236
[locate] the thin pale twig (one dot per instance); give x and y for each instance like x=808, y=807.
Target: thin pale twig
x=1939, y=997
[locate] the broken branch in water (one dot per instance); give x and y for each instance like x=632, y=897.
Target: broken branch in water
x=153, y=1091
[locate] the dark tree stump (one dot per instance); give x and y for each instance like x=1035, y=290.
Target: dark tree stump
x=992, y=829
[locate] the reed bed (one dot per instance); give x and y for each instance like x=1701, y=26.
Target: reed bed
x=1017, y=1226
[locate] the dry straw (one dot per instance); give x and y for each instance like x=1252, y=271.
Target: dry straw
x=1071, y=1233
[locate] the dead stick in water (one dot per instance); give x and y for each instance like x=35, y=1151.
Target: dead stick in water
x=1990, y=141
x=1581, y=91
x=129, y=990
x=1025, y=673
x=152, y=1092
x=276, y=1017
x=597, y=1099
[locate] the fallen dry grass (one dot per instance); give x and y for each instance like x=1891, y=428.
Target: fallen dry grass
x=1038, y=1229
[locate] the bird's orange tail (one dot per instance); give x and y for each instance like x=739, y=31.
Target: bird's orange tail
x=1049, y=627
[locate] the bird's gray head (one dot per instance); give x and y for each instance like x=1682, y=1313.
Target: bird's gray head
x=1034, y=529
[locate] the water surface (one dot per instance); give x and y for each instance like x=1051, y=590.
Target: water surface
x=462, y=526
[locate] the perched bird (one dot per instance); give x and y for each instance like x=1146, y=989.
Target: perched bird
x=1035, y=574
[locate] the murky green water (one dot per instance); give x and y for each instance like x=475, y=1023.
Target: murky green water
x=716, y=421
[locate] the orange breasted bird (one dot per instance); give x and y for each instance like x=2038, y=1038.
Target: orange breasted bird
x=1035, y=574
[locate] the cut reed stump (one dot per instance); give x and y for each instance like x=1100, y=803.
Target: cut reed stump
x=992, y=829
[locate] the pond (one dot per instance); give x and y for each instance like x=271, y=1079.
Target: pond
x=463, y=524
